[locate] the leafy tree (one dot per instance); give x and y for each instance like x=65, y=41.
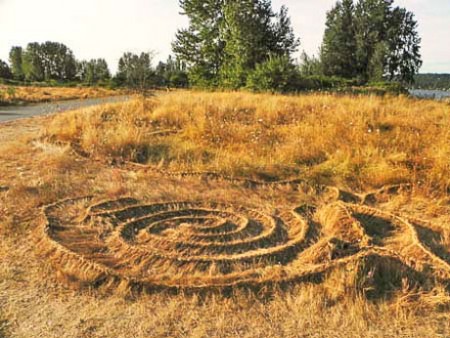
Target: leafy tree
x=172, y=73
x=372, y=28
x=5, y=71
x=161, y=74
x=136, y=71
x=404, y=58
x=48, y=61
x=371, y=40
x=178, y=79
x=59, y=61
x=93, y=71
x=33, y=64
x=102, y=70
x=82, y=70
x=15, y=59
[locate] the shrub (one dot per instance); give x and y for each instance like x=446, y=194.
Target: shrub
x=277, y=74
x=320, y=82
x=388, y=87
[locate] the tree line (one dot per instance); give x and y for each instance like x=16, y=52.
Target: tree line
x=235, y=44
x=53, y=61
x=432, y=81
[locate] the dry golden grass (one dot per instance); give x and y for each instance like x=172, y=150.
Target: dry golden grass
x=399, y=288
x=360, y=142
x=18, y=94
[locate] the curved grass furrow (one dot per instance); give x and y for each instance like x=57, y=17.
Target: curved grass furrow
x=131, y=245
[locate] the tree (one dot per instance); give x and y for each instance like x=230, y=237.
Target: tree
x=248, y=39
x=5, y=71
x=376, y=69
x=93, y=71
x=310, y=65
x=225, y=40
x=161, y=74
x=136, y=71
x=48, y=61
x=33, y=64
x=171, y=73
x=338, y=52
x=102, y=70
x=15, y=59
x=372, y=25
x=404, y=58
x=59, y=61
x=371, y=40
x=387, y=41
x=201, y=45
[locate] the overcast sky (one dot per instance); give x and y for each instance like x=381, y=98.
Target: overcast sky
x=107, y=28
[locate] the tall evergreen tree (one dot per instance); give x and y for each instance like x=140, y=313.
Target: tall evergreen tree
x=247, y=33
x=201, y=45
x=338, y=52
x=253, y=33
x=227, y=38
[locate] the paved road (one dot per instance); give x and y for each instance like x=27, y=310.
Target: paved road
x=17, y=112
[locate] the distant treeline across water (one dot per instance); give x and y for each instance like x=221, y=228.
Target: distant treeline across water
x=432, y=82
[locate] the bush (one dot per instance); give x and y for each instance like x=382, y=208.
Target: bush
x=179, y=79
x=277, y=74
x=201, y=77
x=321, y=82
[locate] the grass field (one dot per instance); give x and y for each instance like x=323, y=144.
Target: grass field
x=228, y=215
x=356, y=142
x=21, y=95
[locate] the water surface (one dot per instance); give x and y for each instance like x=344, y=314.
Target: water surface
x=430, y=94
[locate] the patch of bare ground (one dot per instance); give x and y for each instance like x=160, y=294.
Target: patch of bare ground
x=96, y=243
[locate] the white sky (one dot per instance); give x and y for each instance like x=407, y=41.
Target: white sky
x=107, y=28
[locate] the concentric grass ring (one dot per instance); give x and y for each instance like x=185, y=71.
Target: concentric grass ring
x=199, y=245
